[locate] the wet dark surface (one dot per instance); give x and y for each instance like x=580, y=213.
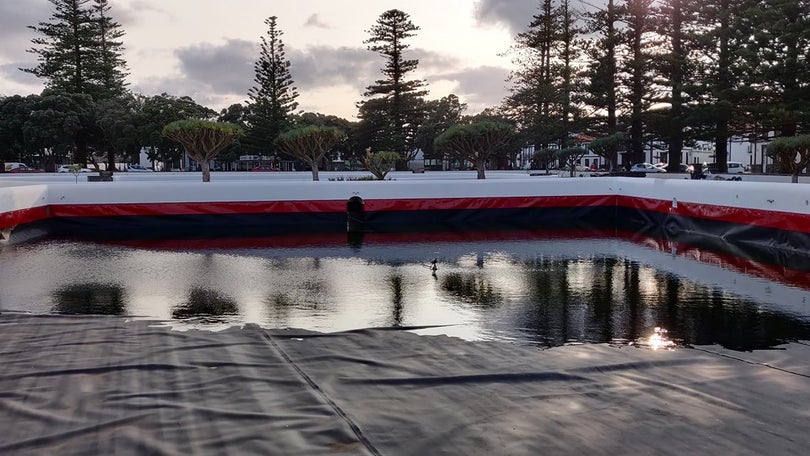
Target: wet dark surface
x=541, y=289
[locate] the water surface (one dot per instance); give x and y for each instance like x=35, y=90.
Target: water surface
x=535, y=288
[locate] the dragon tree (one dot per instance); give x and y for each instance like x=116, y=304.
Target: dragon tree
x=203, y=139
x=476, y=142
x=310, y=144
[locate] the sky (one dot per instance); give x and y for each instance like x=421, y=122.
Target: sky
x=205, y=49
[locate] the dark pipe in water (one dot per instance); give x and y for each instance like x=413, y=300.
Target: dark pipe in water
x=355, y=214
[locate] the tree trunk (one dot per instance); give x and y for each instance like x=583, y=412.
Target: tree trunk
x=638, y=65
x=111, y=160
x=721, y=135
x=314, y=171
x=205, y=165
x=80, y=155
x=722, y=89
x=480, y=167
x=677, y=77
x=611, y=59
x=794, y=178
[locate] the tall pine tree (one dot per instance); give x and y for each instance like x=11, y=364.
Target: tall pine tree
x=272, y=99
x=677, y=25
x=80, y=52
x=725, y=98
x=400, y=98
x=780, y=57
x=542, y=97
x=602, y=75
x=108, y=67
x=534, y=99
x=65, y=47
x=637, y=71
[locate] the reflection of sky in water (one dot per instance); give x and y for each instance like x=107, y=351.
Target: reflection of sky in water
x=522, y=291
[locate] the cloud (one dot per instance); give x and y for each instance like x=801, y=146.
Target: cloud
x=430, y=61
x=213, y=75
x=220, y=74
x=315, y=21
x=12, y=72
x=320, y=66
x=225, y=69
x=14, y=21
x=514, y=14
x=135, y=13
x=180, y=86
x=479, y=87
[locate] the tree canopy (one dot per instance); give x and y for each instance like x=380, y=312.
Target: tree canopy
x=79, y=49
x=474, y=142
x=310, y=144
x=380, y=163
x=202, y=139
x=791, y=153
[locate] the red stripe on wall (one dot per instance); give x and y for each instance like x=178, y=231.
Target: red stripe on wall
x=507, y=202
x=23, y=216
x=789, y=221
x=207, y=208
x=261, y=207
x=770, y=219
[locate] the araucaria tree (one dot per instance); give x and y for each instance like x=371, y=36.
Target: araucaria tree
x=398, y=100
x=542, y=95
x=108, y=65
x=202, y=139
x=80, y=52
x=638, y=78
x=310, y=144
x=602, y=71
x=475, y=142
x=272, y=98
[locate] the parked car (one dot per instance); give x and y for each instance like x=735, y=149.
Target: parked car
x=264, y=168
x=15, y=167
x=646, y=168
x=67, y=169
x=137, y=169
x=733, y=168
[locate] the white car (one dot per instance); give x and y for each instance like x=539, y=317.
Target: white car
x=733, y=168
x=646, y=168
x=137, y=169
x=67, y=169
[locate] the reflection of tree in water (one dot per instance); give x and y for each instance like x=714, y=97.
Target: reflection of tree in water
x=471, y=288
x=206, y=303
x=601, y=315
x=709, y=316
x=90, y=299
x=395, y=284
x=632, y=293
x=621, y=309
x=307, y=296
x=550, y=295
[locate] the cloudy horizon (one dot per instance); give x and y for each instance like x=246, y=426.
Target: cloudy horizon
x=208, y=52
